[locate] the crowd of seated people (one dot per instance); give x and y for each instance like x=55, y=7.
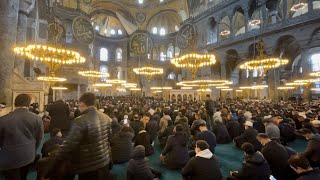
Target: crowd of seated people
x=189, y=131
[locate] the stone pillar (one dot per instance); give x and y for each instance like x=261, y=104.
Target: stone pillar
x=223, y=71
x=8, y=31
x=231, y=25
x=21, y=41
x=310, y=6
x=285, y=9
x=305, y=56
x=246, y=20
x=78, y=91
x=264, y=14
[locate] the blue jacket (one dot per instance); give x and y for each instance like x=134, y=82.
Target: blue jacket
x=20, y=135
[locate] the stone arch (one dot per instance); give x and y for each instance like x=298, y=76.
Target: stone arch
x=185, y=97
x=232, y=58
x=173, y=97
x=287, y=47
x=238, y=21
x=179, y=97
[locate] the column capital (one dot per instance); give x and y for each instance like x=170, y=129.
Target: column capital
x=26, y=6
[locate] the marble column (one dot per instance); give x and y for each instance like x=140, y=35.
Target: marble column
x=306, y=67
x=264, y=14
x=246, y=20
x=285, y=9
x=21, y=41
x=310, y=6
x=8, y=30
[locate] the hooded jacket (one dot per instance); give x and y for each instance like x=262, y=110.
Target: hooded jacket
x=205, y=166
x=176, y=151
x=255, y=167
x=138, y=168
x=121, y=147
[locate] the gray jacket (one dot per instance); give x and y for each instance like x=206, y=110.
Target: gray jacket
x=20, y=135
x=273, y=131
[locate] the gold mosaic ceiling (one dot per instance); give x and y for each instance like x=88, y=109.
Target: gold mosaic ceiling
x=151, y=13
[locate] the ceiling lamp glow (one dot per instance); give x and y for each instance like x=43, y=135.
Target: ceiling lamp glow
x=102, y=85
x=121, y=90
x=115, y=81
x=228, y=89
x=296, y=84
x=186, y=88
x=222, y=87
x=315, y=89
x=285, y=87
x=135, y=89
x=254, y=22
x=205, y=83
x=204, y=90
x=239, y=90
x=307, y=80
x=161, y=88
x=51, y=79
x=148, y=71
x=129, y=85
x=298, y=7
x=59, y=88
x=225, y=33
x=317, y=74
x=194, y=61
x=94, y=74
x=254, y=87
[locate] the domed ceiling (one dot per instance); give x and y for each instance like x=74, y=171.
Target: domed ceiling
x=126, y=16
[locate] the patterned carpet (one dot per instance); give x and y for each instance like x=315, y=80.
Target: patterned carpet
x=230, y=159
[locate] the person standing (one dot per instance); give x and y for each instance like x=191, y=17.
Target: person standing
x=59, y=113
x=87, y=146
x=209, y=105
x=20, y=135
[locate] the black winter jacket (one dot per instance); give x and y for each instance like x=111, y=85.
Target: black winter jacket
x=87, y=145
x=255, y=167
x=310, y=175
x=138, y=168
x=143, y=138
x=122, y=147
x=176, y=151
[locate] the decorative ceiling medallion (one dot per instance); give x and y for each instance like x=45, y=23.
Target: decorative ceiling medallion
x=140, y=44
x=83, y=30
x=185, y=36
x=141, y=17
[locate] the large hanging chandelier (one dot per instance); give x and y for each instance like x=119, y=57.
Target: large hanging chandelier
x=59, y=88
x=94, y=74
x=255, y=87
x=285, y=88
x=263, y=61
x=161, y=88
x=204, y=83
x=148, y=71
x=316, y=74
x=115, y=81
x=194, y=61
x=52, y=55
x=129, y=85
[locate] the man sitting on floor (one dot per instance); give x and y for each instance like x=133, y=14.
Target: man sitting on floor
x=56, y=139
x=204, y=166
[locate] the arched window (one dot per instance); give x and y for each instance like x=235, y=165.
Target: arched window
x=162, y=56
x=162, y=32
x=104, y=69
x=255, y=73
x=112, y=32
x=170, y=52
x=104, y=54
x=315, y=62
x=119, y=73
x=171, y=76
x=120, y=32
x=119, y=54
x=154, y=30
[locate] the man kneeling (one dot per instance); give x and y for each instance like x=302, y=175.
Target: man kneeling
x=204, y=165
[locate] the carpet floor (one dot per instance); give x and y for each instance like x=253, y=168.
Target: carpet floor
x=230, y=159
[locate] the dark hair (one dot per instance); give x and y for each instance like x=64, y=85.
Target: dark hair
x=179, y=127
x=170, y=122
x=202, y=145
x=208, y=95
x=299, y=160
x=88, y=99
x=305, y=131
x=125, y=128
x=248, y=148
x=166, y=112
x=147, y=114
x=55, y=131
x=22, y=100
x=262, y=136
